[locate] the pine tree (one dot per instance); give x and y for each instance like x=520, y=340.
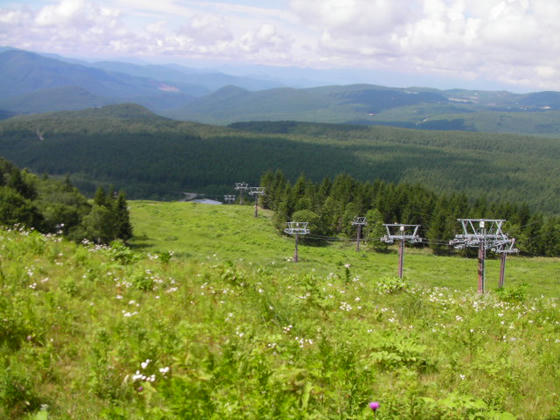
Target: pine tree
x=350, y=212
x=374, y=230
x=440, y=232
x=123, y=226
x=100, y=198
x=530, y=241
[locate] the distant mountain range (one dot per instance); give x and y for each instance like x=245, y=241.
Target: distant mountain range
x=418, y=108
x=32, y=83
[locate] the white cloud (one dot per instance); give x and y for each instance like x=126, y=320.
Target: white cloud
x=207, y=29
x=513, y=41
x=353, y=17
x=501, y=40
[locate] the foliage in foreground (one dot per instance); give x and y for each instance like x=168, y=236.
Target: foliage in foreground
x=103, y=332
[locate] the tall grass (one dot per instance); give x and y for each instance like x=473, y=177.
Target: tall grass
x=210, y=331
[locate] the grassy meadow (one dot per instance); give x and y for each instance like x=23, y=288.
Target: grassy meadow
x=232, y=233
x=224, y=326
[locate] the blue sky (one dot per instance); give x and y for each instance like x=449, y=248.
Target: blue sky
x=487, y=44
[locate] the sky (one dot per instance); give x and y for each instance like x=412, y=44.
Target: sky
x=475, y=44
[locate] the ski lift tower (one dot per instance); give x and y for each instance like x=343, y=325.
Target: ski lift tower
x=296, y=229
x=256, y=191
x=482, y=234
x=229, y=198
x=241, y=186
x=359, y=221
x=503, y=248
x=402, y=233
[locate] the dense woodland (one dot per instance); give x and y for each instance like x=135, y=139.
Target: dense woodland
x=331, y=205
x=52, y=206
x=400, y=175
x=157, y=158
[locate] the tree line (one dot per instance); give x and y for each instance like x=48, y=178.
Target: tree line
x=53, y=206
x=331, y=205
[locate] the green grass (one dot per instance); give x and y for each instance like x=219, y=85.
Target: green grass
x=218, y=331
x=222, y=233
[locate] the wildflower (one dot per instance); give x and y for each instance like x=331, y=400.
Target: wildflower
x=137, y=376
x=345, y=307
x=374, y=405
x=164, y=370
x=145, y=364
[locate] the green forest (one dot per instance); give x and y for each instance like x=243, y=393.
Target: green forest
x=330, y=207
x=56, y=207
x=157, y=158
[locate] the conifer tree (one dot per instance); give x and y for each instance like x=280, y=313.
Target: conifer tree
x=124, y=228
x=374, y=230
x=440, y=232
x=100, y=198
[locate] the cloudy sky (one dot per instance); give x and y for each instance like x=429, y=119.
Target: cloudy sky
x=465, y=43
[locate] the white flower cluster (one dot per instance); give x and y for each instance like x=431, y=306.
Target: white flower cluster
x=139, y=376
x=345, y=307
x=302, y=341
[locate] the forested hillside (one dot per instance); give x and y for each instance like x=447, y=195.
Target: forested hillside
x=417, y=108
x=330, y=207
x=153, y=157
x=31, y=83
x=49, y=206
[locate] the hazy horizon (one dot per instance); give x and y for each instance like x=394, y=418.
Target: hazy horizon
x=479, y=44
